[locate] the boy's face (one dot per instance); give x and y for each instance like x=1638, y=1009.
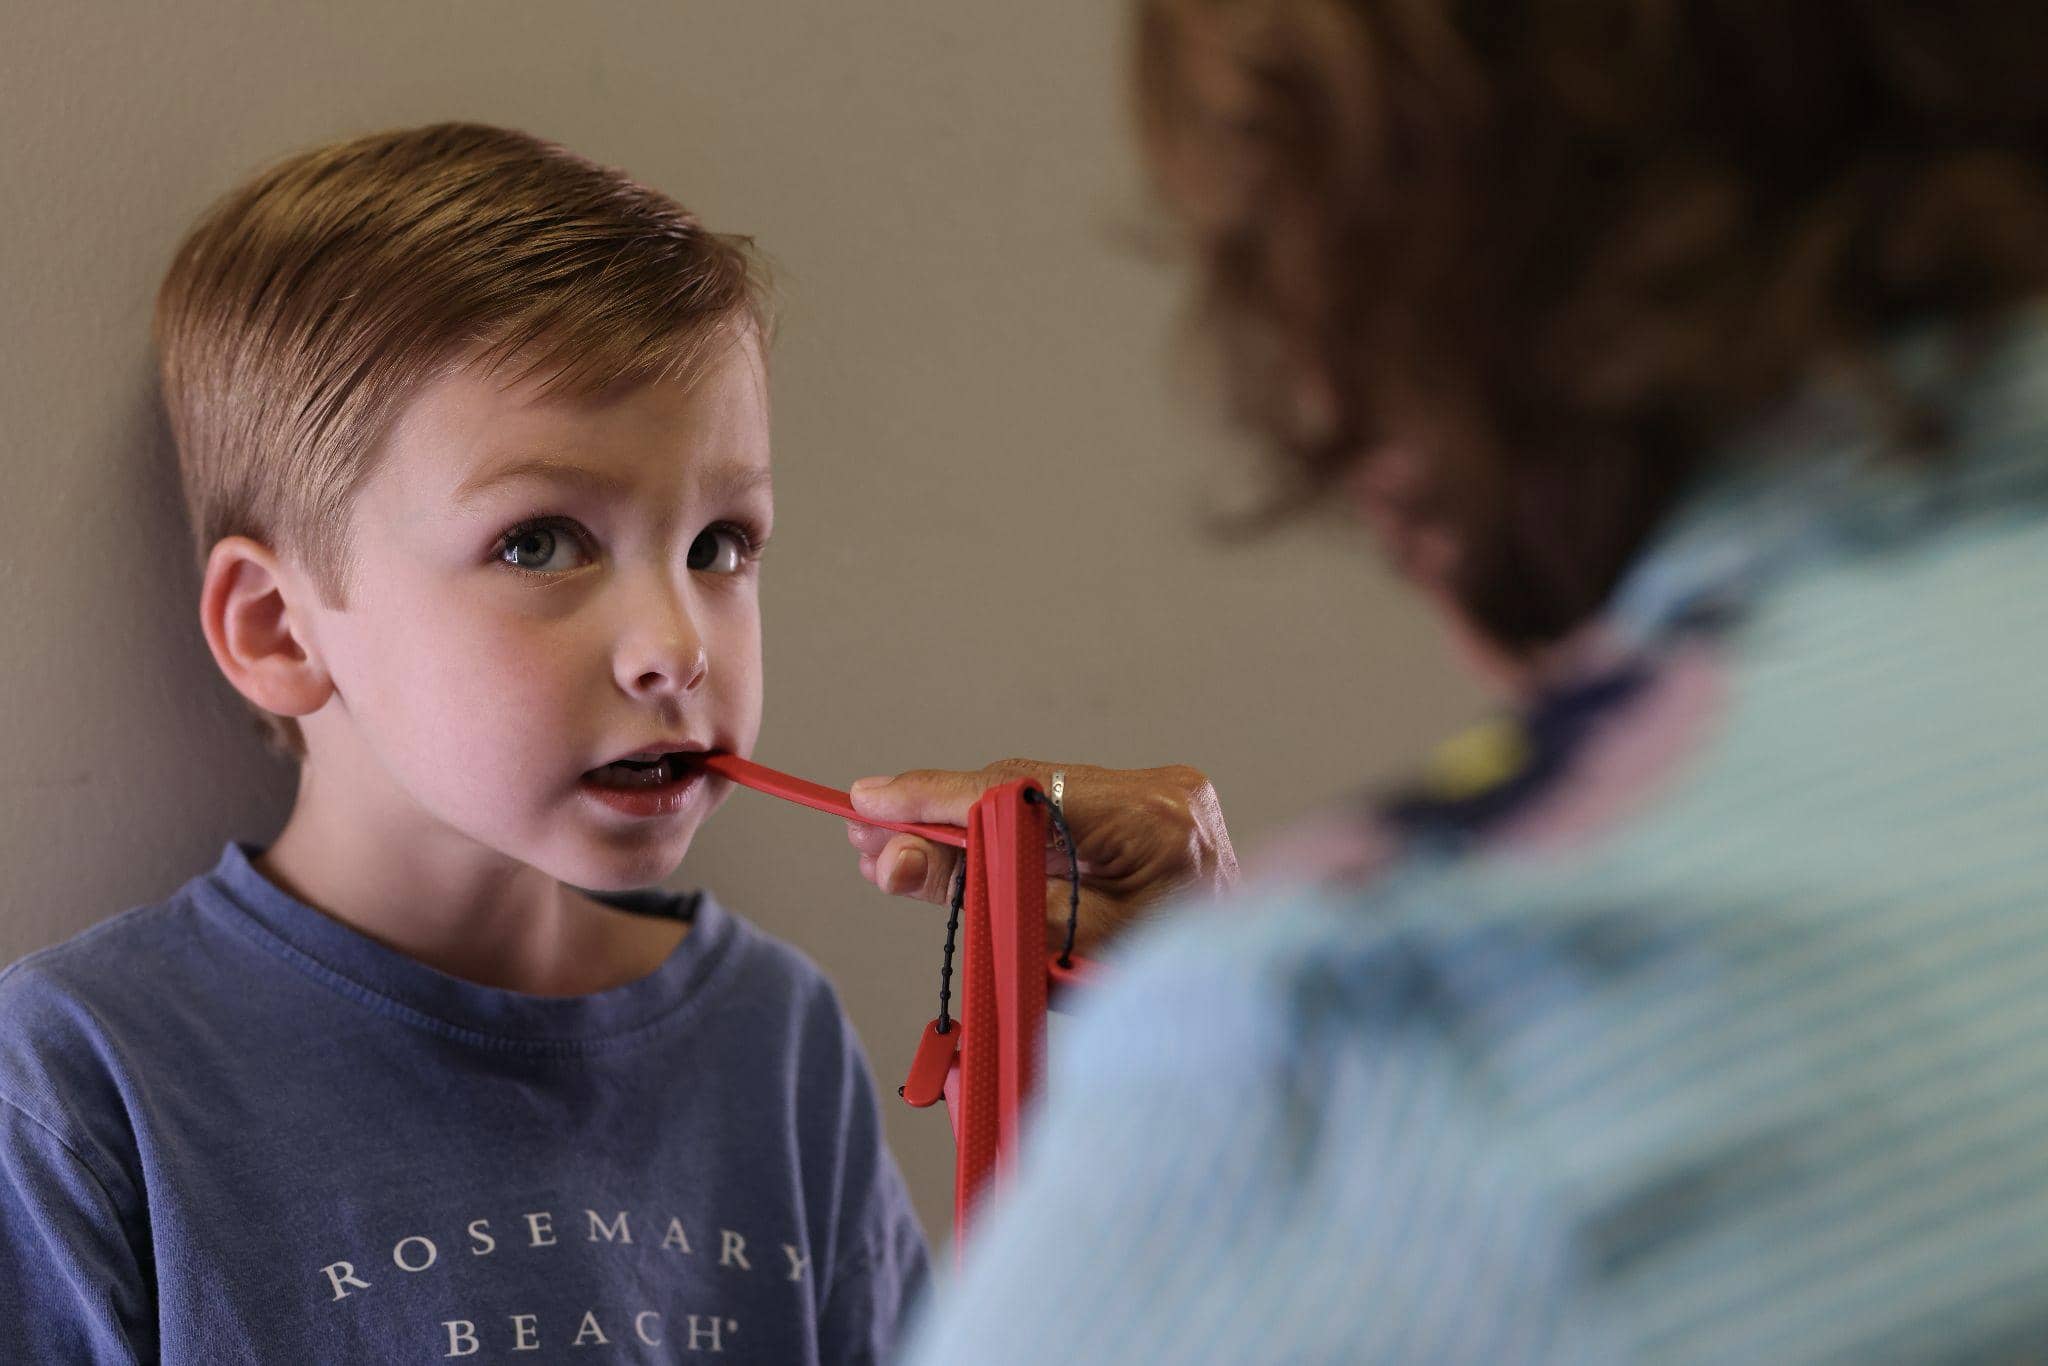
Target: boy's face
x=506, y=636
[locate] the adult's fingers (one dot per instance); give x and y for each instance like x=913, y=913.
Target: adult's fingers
x=1147, y=832
x=1142, y=837
x=917, y=868
x=911, y=867
x=1101, y=917
x=871, y=840
x=938, y=796
x=945, y=795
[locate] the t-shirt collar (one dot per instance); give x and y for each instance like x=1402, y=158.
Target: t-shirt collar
x=384, y=979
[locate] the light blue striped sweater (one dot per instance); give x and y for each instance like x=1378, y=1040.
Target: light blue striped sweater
x=1753, y=1070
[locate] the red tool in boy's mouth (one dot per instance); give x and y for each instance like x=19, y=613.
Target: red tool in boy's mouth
x=819, y=797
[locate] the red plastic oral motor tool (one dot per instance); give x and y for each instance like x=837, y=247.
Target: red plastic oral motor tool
x=986, y=1062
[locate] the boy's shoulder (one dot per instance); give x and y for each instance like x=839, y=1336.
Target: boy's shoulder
x=95, y=975
x=70, y=1013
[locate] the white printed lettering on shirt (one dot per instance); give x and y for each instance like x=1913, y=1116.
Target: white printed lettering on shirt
x=707, y=1332
x=347, y=1276
x=589, y=1326
x=398, y=1253
x=620, y=1234
x=733, y=1250
x=697, y=1333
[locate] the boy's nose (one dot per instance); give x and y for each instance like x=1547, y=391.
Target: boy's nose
x=671, y=660
x=674, y=680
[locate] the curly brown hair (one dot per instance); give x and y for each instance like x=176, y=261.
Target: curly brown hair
x=1565, y=247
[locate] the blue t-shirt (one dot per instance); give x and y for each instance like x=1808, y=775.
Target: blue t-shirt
x=233, y=1130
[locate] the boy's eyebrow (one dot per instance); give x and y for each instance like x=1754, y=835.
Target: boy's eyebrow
x=724, y=481
x=538, y=467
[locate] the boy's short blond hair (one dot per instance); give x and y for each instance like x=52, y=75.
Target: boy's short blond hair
x=308, y=305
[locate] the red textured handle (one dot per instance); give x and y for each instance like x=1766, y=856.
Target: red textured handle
x=987, y=1065
x=761, y=778
x=1003, y=990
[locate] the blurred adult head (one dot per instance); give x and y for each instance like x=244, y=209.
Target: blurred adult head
x=1503, y=274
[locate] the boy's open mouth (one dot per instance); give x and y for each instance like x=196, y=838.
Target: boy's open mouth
x=643, y=774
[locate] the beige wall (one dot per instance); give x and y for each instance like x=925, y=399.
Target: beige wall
x=985, y=542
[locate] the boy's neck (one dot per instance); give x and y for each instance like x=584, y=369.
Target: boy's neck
x=505, y=925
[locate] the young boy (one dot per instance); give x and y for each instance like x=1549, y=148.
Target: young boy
x=474, y=440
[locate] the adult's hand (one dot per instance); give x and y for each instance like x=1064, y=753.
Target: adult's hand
x=1142, y=836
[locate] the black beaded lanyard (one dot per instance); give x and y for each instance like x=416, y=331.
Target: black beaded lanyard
x=944, y=1023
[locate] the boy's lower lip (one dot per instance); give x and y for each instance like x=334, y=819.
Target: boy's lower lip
x=647, y=802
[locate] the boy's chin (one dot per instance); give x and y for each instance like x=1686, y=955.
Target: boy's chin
x=623, y=868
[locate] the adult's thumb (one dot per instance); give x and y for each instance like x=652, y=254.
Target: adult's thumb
x=940, y=796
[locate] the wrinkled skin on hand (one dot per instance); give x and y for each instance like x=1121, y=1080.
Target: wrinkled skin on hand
x=1143, y=837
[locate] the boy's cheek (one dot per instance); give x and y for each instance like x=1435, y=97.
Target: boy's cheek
x=485, y=710
x=506, y=689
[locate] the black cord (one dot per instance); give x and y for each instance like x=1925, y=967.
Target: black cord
x=1073, y=888
x=952, y=929
x=1059, y=823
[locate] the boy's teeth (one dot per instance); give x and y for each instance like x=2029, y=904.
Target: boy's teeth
x=618, y=774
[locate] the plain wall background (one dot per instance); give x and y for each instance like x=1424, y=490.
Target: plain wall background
x=987, y=469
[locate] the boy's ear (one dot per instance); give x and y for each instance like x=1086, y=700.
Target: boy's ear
x=245, y=608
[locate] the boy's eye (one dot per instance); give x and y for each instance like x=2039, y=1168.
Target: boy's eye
x=720, y=550
x=537, y=548
x=532, y=547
